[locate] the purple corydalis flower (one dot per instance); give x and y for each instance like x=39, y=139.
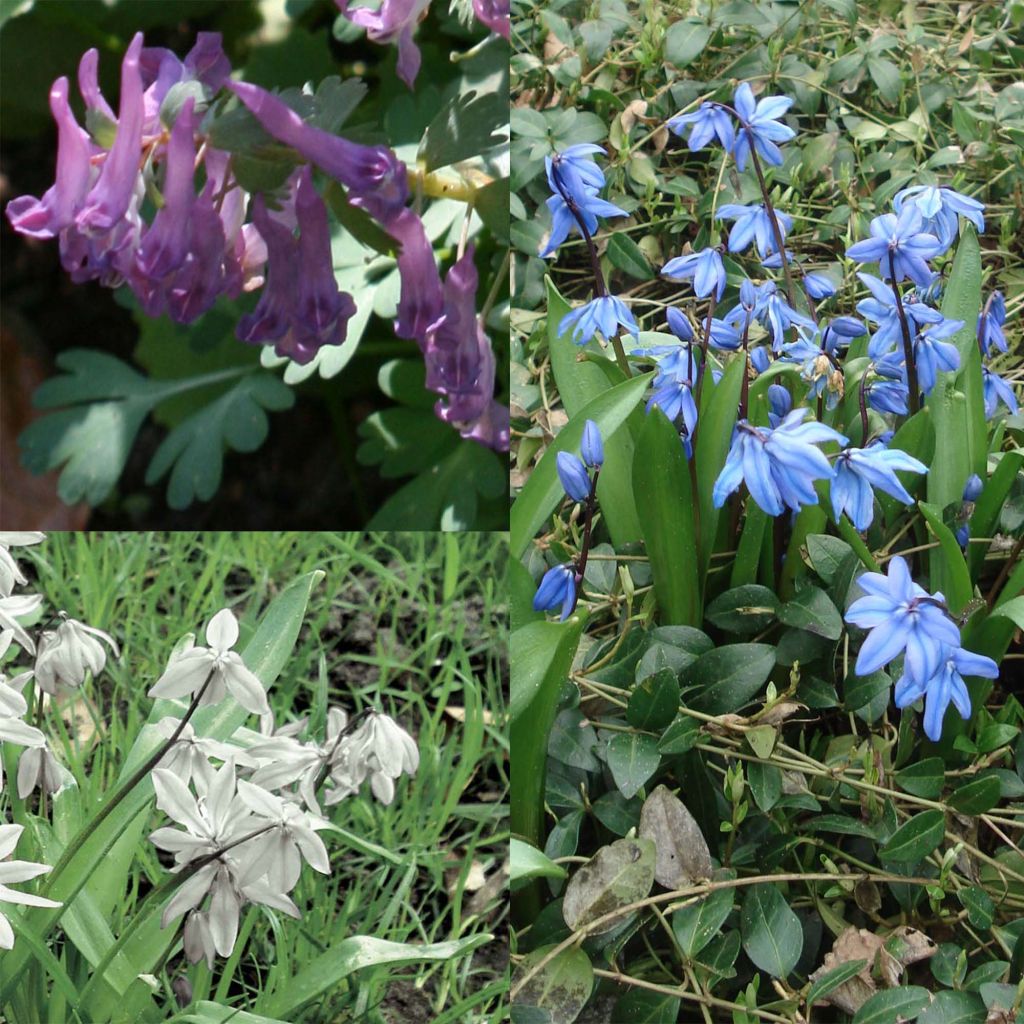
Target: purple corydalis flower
x=759, y=126
x=858, y=470
x=902, y=617
x=394, y=22
x=495, y=14
x=704, y=268
x=780, y=465
x=47, y=217
x=421, y=303
x=906, y=240
x=300, y=308
x=374, y=176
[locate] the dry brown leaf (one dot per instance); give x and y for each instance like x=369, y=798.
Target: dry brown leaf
x=682, y=852
x=780, y=712
x=459, y=714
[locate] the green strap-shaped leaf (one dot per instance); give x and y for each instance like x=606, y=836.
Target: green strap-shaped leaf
x=661, y=482
x=543, y=491
x=579, y=383
x=953, y=579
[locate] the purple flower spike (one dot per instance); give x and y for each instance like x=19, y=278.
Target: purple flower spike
x=108, y=202
x=88, y=84
x=374, y=176
x=207, y=62
x=495, y=14
x=47, y=217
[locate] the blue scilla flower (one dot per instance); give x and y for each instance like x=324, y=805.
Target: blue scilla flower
x=776, y=315
x=903, y=619
x=679, y=325
x=973, y=487
x=558, y=587
x=932, y=354
x=997, y=390
x=575, y=181
x=858, y=470
x=674, y=397
x=881, y=309
x=990, y=324
x=707, y=121
x=905, y=239
x=944, y=686
x=819, y=286
x=704, y=268
x=780, y=402
x=753, y=224
x=940, y=208
x=888, y=396
x=574, y=476
x=605, y=314
x=723, y=336
x=779, y=466
x=760, y=359
x=759, y=126
x=592, y=447
x=817, y=367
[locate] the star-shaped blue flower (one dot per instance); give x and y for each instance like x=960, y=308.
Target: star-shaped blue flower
x=704, y=268
x=905, y=239
x=759, y=126
x=941, y=208
x=604, y=314
x=707, y=121
x=860, y=469
x=990, y=324
x=558, y=587
x=753, y=224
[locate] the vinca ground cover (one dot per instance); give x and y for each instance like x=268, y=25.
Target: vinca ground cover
x=767, y=587
x=380, y=898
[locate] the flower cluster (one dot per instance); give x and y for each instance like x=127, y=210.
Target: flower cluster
x=904, y=620
x=244, y=839
x=200, y=245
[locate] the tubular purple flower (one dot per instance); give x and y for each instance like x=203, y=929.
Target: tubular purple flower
x=47, y=217
x=395, y=21
x=495, y=14
x=373, y=175
x=88, y=84
x=165, y=243
x=422, y=299
x=108, y=201
x=460, y=363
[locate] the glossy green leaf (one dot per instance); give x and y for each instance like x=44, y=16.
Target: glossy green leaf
x=661, y=485
x=772, y=936
x=696, y=925
x=528, y=862
x=831, y=980
x=954, y=1008
x=745, y=610
x=977, y=796
x=892, y=1005
x=633, y=758
x=978, y=904
x=616, y=876
x=812, y=610
x=543, y=491
x=685, y=41
x=561, y=988
x=990, y=503
x=639, y=1006
x=916, y=838
x=922, y=778
x=654, y=701
x=628, y=257
x=729, y=677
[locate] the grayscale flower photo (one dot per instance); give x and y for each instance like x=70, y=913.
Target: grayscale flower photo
x=253, y=777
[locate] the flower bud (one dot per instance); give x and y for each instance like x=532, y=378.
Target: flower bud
x=973, y=487
x=592, y=448
x=573, y=475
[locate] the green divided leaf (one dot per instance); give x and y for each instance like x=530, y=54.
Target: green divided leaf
x=915, y=839
x=464, y=127
x=772, y=936
x=194, y=450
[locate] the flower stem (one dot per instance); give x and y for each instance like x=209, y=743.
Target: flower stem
x=1005, y=571
x=588, y=522
x=122, y=791
x=908, y=344
x=862, y=400
x=776, y=231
